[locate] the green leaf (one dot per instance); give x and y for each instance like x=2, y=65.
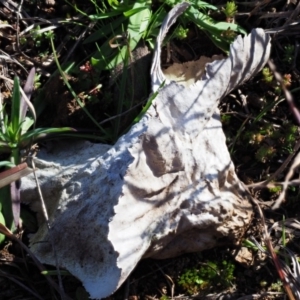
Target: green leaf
x=6, y=209
x=6, y=163
x=28, y=122
x=105, y=31
x=110, y=14
x=15, y=107
x=214, y=29
x=119, y=58
x=205, y=5
x=139, y=22
x=134, y=11
x=55, y=273
x=156, y=20
x=2, y=221
x=39, y=133
x=222, y=26
x=140, y=16
x=113, y=3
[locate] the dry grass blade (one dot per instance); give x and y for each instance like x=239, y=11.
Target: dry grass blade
x=266, y=183
x=260, y=296
x=272, y=253
x=295, y=274
x=288, y=177
x=291, y=225
x=4, y=230
x=13, y=174
x=28, y=90
x=18, y=282
x=44, y=209
x=293, y=15
x=7, y=57
x=288, y=95
x=14, y=7
x=259, y=5
x=296, y=162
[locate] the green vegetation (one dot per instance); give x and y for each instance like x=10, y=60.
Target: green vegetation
x=263, y=138
x=135, y=20
x=230, y=10
x=276, y=286
x=18, y=132
x=208, y=275
x=269, y=79
x=275, y=189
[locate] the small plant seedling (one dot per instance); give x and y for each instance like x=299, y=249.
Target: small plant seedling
x=230, y=11
x=276, y=286
x=267, y=75
x=275, y=189
x=39, y=35
x=225, y=119
x=265, y=153
x=268, y=78
x=181, y=33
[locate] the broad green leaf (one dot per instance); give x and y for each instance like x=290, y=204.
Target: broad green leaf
x=138, y=23
x=104, y=31
x=109, y=58
x=222, y=26
x=120, y=57
x=28, y=122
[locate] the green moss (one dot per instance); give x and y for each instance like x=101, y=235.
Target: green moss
x=275, y=189
x=265, y=153
x=208, y=275
x=225, y=119
x=276, y=287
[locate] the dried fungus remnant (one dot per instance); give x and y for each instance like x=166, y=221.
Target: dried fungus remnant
x=166, y=187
